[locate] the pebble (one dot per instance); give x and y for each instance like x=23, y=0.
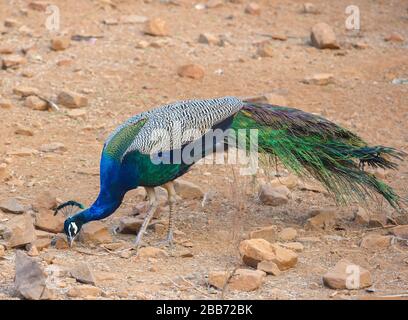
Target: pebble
x=95, y=232
x=20, y=231
x=72, y=99
x=6, y=103
x=35, y=103
x=13, y=61
x=323, y=218
x=47, y=221
x=319, y=79
x=253, y=8
x=376, y=242
x=12, y=205
x=188, y=190
x=287, y=234
x=323, y=37
x=347, y=275
x=60, y=43
x=266, y=233
x=24, y=91
x=156, y=27
x=83, y=273
x=193, y=71
x=274, y=196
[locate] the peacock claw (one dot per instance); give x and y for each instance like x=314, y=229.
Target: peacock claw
x=168, y=242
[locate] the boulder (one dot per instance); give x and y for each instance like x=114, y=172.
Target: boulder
x=47, y=221
x=95, y=232
x=83, y=273
x=20, y=231
x=347, y=275
x=274, y=196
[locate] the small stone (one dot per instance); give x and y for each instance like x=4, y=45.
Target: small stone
x=20, y=231
x=324, y=218
x=400, y=231
x=265, y=50
x=394, y=37
x=64, y=62
x=23, y=91
x=186, y=254
x=361, y=45
x=211, y=4
x=42, y=243
x=6, y=104
x=72, y=100
x=32, y=251
x=253, y=8
x=61, y=242
x=376, y=241
x=151, y=252
x=4, y=172
x=276, y=99
x=362, y=216
x=347, y=275
x=95, y=232
x=11, y=23
x=254, y=251
x=267, y=233
x=133, y=19
x=84, y=291
x=23, y=131
x=45, y=200
x=287, y=234
x=319, y=79
x=142, y=44
x=53, y=147
x=242, y=280
x=269, y=267
x=310, y=8
x=60, y=43
x=111, y=21
x=2, y=251
x=23, y=152
x=130, y=225
x=156, y=27
x=323, y=37
x=274, y=196
x=26, y=31
x=30, y=279
x=193, y=71
x=35, y=103
x=76, y=113
x=47, y=221
x=12, y=206
x=82, y=273
x=294, y=246
x=208, y=38
x=38, y=5
x=5, y=49
x=188, y=190
x=13, y=61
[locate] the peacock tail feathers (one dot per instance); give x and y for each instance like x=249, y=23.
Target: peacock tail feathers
x=311, y=146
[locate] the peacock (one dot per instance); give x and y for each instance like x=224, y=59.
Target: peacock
x=136, y=155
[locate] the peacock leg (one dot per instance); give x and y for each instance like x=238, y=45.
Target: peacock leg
x=153, y=207
x=172, y=200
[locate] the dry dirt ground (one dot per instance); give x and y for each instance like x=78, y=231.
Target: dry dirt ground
x=121, y=80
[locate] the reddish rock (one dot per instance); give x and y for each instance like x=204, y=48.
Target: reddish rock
x=151, y=252
x=188, y=190
x=319, y=79
x=13, y=61
x=61, y=242
x=400, y=231
x=6, y=103
x=20, y=231
x=287, y=234
x=84, y=291
x=269, y=267
x=274, y=196
x=376, y=241
x=35, y=103
x=193, y=71
x=242, y=280
x=284, y=258
x=254, y=251
x=42, y=243
x=362, y=216
x=60, y=43
x=24, y=91
x=265, y=50
x=156, y=27
x=83, y=273
x=208, y=38
x=267, y=233
x=38, y=5
x=323, y=37
x=12, y=205
x=347, y=275
x=394, y=37
x=324, y=218
x=95, y=232
x=253, y=8
x=130, y=225
x=45, y=200
x=47, y=221
x=71, y=99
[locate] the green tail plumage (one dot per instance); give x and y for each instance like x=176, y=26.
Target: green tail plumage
x=312, y=146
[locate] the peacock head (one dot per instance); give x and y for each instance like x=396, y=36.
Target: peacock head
x=72, y=226
x=74, y=221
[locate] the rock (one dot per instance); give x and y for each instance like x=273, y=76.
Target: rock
x=208, y=38
x=254, y=251
x=284, y=258
x=347, y=275
x=271, y=98
x=30, y=279
x=12, y=206
x=291, y=182
x=13, y=61
x=274, y=196
x=6, y=103
x=156, y=27
x=287, y=234
x=265, y=50
x=53, y=147
x=132, y=19
x=242, y=280
x=42, y=243
x=309, y=239
x=130, y=225
x=400, y=231
x=24, y=91
x=45, y=220
x=20, y=231
x=211, y=4
x=82, y=273
x=323, y=37
x=253, y=8
x=111, y=21
x=376, y=241
x=267, y=233
x=360, y=45
x=319, y=79
x=95, y=232
x=324, y=218
x=188, y=190
x=25, y=31
x=377, y=221
x=151, y=252
x=2, y=251
x=35, y=103
x=60, y=43
x=193, y=71
x=394, y=37
x=142, y=44
x=23, y=152
x=23, y=131
x=362, y=216
x=310, y=8
x=11, y=23
x=84, y=291
x=45, y=200
x=294, y=246
x=5, y=49
x=269, y=267
x=76, y=113
x=4, y=172
x=60, y=241
x=38, y=5
x=71, y=99
x=32, y=251
x=64, y=62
